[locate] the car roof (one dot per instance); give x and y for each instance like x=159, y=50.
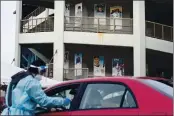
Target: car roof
x=153, y=78
x=104, y=79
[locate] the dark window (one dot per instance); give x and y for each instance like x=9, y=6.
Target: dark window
x=163, y=86
x=106, y=96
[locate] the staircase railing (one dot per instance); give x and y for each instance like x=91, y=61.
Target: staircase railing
x=37, y=25
x=36, y=12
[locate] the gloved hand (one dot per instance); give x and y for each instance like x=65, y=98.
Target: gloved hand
x=66, y=102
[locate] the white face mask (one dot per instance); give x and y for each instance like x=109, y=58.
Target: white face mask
x=38, y=77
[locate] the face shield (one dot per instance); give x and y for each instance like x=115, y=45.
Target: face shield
x=38, y=71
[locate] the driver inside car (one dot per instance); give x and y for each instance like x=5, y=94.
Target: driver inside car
x=71, y=93
x=24, y=93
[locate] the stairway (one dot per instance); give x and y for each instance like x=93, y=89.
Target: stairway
x=37, y=21
x=39, y=55
x=35, y=13
x=46, y=25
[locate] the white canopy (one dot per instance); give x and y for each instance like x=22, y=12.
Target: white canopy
x=7, y=70
x=47, y=82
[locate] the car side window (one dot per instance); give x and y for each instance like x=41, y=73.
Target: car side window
x=129, y=101
x=104, y=95
x=65, y=92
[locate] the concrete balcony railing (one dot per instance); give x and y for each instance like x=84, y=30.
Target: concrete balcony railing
x=97, y=25
x=159, y=31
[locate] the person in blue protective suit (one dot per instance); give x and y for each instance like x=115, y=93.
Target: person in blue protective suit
x=24, y=93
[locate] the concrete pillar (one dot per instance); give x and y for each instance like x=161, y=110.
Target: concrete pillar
x=18, y=29
x=139, y=38
x=58, y=44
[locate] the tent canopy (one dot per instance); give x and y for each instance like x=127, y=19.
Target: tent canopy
x=8, y=70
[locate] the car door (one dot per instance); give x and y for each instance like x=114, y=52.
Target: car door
x=69, y=91
x=105, y=98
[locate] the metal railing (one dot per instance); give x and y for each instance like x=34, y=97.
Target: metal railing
x=49, y=71
x=98, y=25
x=159, y=31
x=68, y=74
x=36, y=12
x=73, y=73
x=33, y=14
x=37, y=25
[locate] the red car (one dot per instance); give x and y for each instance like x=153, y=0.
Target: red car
x=113, y=96
x=2, y=103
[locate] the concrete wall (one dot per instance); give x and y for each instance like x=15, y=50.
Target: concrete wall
x=97, y=39
x=139, y=38
x=94, y=39
x=43, y=37
x=89, y=52
x=59, y=7
x=17, y=32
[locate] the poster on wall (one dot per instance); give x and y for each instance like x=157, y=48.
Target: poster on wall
x=117, y=67
x=66, y=61
x=67, y=13
x=78, y=64
x=115, y=17
x=78, y=14
x=100, y=12
x=99, y=66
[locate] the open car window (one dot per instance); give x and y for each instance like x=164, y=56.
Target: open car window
x=65, y=94
x=68, y=91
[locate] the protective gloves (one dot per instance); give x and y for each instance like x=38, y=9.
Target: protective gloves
x=66, y=102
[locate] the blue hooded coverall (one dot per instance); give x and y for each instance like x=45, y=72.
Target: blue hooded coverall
x=26, y=95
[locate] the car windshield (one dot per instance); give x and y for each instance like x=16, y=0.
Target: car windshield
x=163, y=86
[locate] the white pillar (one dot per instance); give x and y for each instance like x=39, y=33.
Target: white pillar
x=58, y=44
x=139, y=38
x=18, y=29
